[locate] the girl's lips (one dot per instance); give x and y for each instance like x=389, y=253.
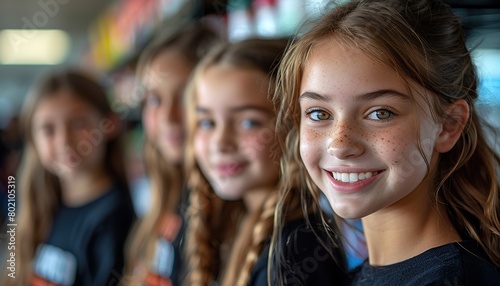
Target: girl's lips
x=174, y=138
x=352, y=182
x=230, y=169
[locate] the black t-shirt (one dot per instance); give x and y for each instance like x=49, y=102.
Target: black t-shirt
x=86, y=243
x=306, y=261
x=456, y=263
x=166, y=267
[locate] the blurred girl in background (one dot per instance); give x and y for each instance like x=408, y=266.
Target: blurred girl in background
x=164, y=68
x=75, y=207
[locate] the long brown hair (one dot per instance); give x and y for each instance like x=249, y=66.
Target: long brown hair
x=207, y=235
x=191, y=42
x=424, y=42
x=40, y=190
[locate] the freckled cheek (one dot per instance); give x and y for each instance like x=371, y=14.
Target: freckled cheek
x=392, y=145
x=312, y=145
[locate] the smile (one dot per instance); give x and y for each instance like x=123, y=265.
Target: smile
x=352, y=177
x=230, y=169
x=175, y=138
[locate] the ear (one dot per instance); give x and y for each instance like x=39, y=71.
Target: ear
x=453, y=125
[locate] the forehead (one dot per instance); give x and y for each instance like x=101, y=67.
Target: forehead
x=63, y=103
x=340, y=67
x=167, y=67
x=223, y=85
x=170, y=59
x=341, y=71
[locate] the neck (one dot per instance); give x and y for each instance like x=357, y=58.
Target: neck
x=406, y=229
x=81, y=188
x=254, y=199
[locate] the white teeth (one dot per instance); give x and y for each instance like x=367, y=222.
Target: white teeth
x=351, y=177
x=345, y=177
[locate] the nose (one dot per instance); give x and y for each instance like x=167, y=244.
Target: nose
x=345, y=141
x=224, y=139
x=63, y=140
x=63, y=137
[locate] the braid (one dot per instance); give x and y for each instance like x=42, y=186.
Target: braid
x=205, y=234
x=203, y=256
x=260, y=236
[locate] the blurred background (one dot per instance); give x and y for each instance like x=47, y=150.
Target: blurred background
x=106, y=37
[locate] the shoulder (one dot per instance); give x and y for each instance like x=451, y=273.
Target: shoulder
x=476, y=267
x=112, y=207
x=305, y=260
x=450, y=264
x=300, y=240
x=460, y=262
x=112, y=212
x=115, y=203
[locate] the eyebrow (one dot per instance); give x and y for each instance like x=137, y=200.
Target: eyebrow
x=238, y=109
x=361, y=97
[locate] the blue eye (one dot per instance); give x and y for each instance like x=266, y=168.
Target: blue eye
x=249, y=123
x=381, y=114
x=205, y=123
x=319, y=115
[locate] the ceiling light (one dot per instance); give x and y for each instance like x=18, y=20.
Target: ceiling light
x=33, y=47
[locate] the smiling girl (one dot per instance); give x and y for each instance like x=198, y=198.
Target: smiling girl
x=381, y=96
x=234, y=175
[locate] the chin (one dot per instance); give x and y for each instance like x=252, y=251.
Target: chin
x=172, y=156
x=228, y=195
x=347, y=211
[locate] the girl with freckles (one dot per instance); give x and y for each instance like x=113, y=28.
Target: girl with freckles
x=382, y=118
x=234, y=177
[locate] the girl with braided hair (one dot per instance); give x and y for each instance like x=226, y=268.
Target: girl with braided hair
x=234, y=175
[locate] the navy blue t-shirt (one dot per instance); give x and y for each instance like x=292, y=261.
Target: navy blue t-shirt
x=459, y=263
x=86, y=243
